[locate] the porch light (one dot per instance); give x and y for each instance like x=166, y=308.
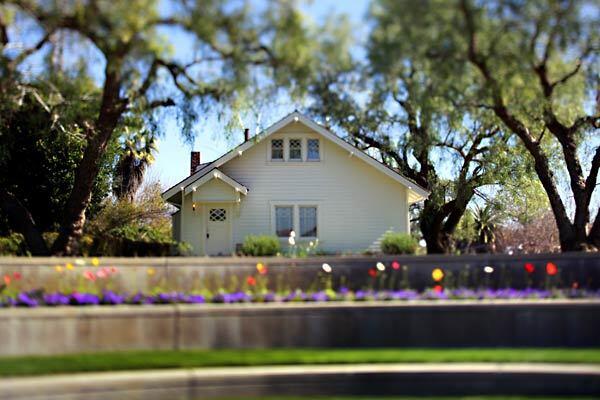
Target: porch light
x=239, y=153
x=216, y=175
x=295, y=119
x=193, y=206
x=194, y=189
x=351, y=154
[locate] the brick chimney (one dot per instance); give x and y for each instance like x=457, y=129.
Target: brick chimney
x=246, y=134
x=194, y=161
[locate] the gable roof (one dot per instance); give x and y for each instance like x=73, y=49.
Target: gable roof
x=418, y=193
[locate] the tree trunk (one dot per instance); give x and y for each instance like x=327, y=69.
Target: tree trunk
x=431, y=224
x=21, y=221
x=111, y=110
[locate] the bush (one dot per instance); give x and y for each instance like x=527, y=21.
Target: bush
x=12, y=245
x=263, y=245
x=398, y=243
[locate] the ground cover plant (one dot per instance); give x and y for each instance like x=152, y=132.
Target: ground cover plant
x=86, y=282
x=141, y=360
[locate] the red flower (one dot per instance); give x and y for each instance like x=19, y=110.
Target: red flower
x=551, y=268
x=575, y=285
x=372, y=272
x=438, y=288
x=7, y=279
x=89, y=275
x=529, y=267
x=251, y=281
x=395, y=265
x=17, y=276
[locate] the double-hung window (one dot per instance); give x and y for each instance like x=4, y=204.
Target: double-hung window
x=308, y=221
x=277, y=149
x=312, y=152
x=295, y=148
x=284, y=220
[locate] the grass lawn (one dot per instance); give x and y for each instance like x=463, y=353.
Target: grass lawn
x=418, y=398
x=139, y=360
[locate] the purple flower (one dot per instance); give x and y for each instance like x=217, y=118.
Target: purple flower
x=23, y=299
x=84, y=299
x=56, y=299
x=109, y=297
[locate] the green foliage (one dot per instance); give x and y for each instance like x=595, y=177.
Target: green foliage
x=398, y=243
x=145, y=220
x=42, y=151
x=12, y=245
x=261, y=245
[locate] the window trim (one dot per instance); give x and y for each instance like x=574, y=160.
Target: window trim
x=282, y=159
x=319, y=144
x=300, y=206
x=289, y=150
x=295, y=204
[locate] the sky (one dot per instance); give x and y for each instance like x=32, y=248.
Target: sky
x=173, y=159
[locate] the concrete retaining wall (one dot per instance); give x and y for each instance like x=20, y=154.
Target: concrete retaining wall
x=310, y=381
x=464, y=324
x=195, y=273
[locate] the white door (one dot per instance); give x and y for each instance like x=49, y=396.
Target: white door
x=218, y=224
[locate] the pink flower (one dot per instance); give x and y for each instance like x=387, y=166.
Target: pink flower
x=101, y=274
x=395, y=265
x=89, y=275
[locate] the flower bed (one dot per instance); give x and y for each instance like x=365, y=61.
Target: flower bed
x=107, y=297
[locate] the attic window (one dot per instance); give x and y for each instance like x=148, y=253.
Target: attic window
x=277, y=149
x=312, y=153
x=295, y=149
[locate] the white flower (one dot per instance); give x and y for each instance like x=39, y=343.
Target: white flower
x=291, y=241
x=380, y=266
x=80, y=261
x=292, y=234
x=488, y=269
x=311, y=244
x=422, y=243
x=326, y=267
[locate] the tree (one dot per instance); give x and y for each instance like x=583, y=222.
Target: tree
x=392, y=107
x=224, y=36
x=136, y=155
x=42, y=153
x=533, y=67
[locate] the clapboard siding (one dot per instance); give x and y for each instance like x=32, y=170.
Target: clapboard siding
x=356, y=203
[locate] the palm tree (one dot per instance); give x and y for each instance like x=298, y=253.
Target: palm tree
x=487, y=220
x=136, y=156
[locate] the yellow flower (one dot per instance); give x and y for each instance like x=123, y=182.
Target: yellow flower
x=58, y=268
x=95, y=261
x=437, y=274
x=69, y=266
x=260, y=267
x=150, y=271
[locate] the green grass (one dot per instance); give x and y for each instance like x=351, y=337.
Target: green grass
x=118, y=361
x=415, y=398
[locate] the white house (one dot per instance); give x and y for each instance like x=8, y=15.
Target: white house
x=295, y=175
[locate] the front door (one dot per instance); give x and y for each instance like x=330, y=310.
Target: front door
x=218, y=225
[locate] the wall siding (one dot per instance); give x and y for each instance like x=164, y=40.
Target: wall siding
x=356, y=203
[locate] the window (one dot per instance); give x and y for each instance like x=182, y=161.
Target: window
x=217, y=214
x=295, y=149
x=284, y=221
x=312, y=153
x=308, y=221
x=277, y=149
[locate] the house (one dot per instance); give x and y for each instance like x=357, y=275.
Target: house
x=295, y=175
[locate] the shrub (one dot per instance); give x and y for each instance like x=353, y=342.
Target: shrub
x=262, y=245
x=398, y=243
x=12, y=245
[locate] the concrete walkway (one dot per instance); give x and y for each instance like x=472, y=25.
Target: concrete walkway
x=309, y=380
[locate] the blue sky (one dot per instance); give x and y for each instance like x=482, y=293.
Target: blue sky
x=172, y=161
